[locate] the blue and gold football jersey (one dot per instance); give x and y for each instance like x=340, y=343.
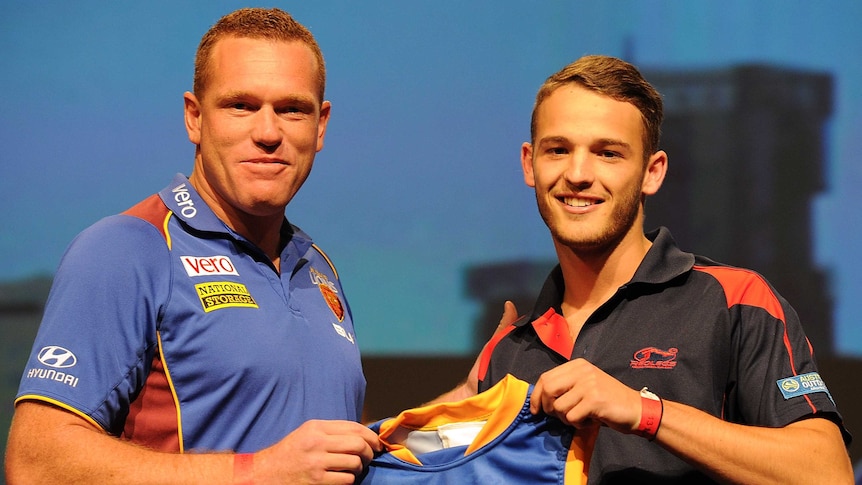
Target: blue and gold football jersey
x=489, y=438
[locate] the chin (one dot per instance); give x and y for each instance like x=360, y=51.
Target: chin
x=266, y=208
x=587, y=241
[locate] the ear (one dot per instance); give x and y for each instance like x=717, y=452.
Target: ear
x=322, y=121
x=527, y=164
x=192, y=115
x=656, y=170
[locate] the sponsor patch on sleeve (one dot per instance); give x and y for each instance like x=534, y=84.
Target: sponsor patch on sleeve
x=800, y=385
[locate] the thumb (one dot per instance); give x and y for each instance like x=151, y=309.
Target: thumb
x=510, y=316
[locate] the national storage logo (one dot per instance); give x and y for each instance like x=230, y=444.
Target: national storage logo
x=216, y=295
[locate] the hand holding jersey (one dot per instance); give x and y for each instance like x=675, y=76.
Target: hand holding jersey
x=582, y=395
x=319, y=452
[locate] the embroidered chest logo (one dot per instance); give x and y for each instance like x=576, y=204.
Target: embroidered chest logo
x=654, y=358
x=216, y=295
x=329, y=292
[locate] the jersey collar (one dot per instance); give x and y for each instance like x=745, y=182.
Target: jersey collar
x=187, y=205
x=184, y=201
x=663, y=262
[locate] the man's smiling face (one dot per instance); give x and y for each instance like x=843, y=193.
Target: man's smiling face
x=258, y=125
x=587, y=166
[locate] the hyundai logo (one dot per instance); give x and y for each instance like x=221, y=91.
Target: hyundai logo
x=57, y=357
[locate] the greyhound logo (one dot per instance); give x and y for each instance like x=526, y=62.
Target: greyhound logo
x=655, y=358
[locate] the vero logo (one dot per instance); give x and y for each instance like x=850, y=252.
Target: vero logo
x=208, y=266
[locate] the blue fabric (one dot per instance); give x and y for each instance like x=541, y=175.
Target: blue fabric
x=251, y=354
x=532, y=449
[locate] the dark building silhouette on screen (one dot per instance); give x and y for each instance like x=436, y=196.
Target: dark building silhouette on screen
x=746, y=147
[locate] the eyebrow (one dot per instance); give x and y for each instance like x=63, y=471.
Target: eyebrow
x=552, y=140
x=599, y=142
x=293, y=98
x=612, y=142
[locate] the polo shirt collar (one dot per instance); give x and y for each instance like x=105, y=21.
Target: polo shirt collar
x=663, y=262
x=187, y=205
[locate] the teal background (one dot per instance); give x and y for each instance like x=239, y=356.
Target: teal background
x=420, y=177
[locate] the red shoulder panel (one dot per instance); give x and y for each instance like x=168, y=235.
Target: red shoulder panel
x=745, y=287
x=152, y=210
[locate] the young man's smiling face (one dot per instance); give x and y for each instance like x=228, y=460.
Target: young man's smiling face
x=588, y=168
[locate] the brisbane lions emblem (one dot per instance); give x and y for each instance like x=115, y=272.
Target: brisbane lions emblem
x=329, y=292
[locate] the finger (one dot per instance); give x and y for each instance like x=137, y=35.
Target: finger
x=570, y=407
x=342, y=462
x=352, y=444
x=510, y=315
x=339, y=477
x=371, y=438
x=536, y=398
x=549, y=389
x=351, y=428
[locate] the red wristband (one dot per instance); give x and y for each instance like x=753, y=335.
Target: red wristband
x=243, y=469
x=652, y=409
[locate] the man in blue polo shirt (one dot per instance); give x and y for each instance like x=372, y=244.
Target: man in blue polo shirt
x=199, y=337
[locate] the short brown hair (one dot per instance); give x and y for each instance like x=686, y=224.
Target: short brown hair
x=616, y=79
x=255, y=23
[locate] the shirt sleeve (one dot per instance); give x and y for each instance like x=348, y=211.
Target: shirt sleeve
x=776, y=374
x=98, y=332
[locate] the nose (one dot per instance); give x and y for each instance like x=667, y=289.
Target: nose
x=266, y=132
x=580, y=171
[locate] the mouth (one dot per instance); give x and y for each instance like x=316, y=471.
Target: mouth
x=579, y=202
x=267, y=161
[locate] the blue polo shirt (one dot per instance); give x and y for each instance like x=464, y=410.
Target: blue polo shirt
x=167, y=328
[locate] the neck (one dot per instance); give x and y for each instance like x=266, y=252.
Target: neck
x=592, y=277
x=264, y=231
x=264, y=234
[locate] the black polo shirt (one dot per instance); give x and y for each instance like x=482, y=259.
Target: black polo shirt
x=694, y=331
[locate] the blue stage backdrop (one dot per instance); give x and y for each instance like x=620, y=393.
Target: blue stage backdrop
x=419, y=179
